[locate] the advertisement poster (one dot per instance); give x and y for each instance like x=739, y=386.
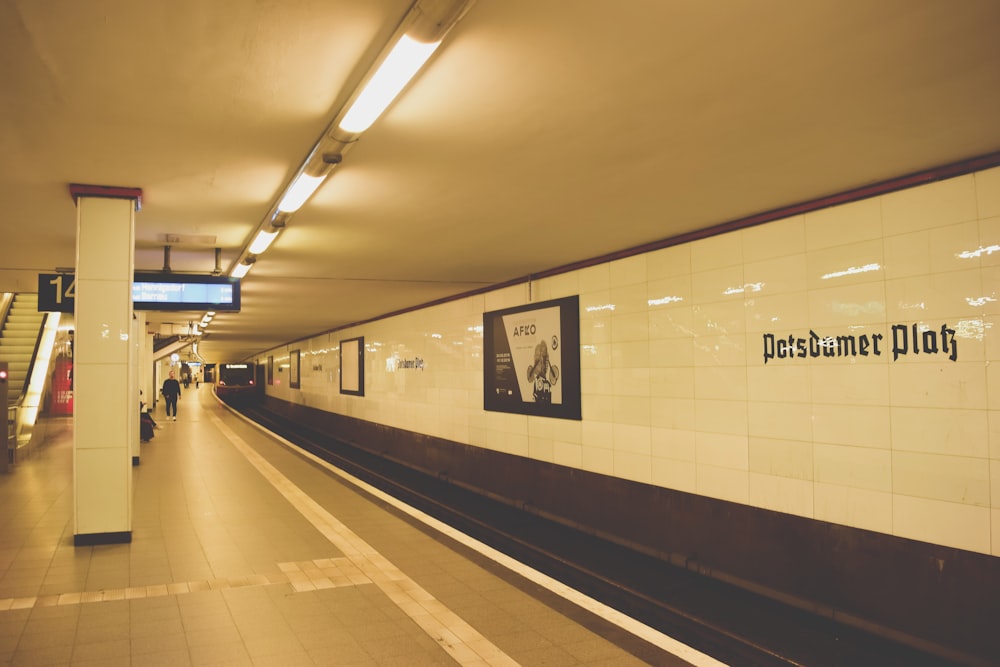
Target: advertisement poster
x=352, y=366
x=532, y=359
x=294, y=365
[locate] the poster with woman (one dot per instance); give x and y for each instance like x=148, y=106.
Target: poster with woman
x=532, y=359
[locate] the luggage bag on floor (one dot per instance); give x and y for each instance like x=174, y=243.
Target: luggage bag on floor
x=145, y=429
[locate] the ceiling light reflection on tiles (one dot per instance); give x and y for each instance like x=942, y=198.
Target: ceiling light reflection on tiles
x=749, y=287
x=852, y=271
x=920, y=305
x=664, y=300
x=972, y=329
x=859, y=309
x=979, y=252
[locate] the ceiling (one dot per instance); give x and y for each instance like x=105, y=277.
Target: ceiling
x=541, y=134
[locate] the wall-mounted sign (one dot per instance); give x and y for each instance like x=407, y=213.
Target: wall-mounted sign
x=56, y=292
x=902, y=340
x=531, y=359
x=294, y=366
x=150, y=291
x=352, y=366
x=400, y=364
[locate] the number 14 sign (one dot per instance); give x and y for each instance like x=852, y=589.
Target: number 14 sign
x=56, y=292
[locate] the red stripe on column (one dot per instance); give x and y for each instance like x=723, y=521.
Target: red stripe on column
x=78, y=190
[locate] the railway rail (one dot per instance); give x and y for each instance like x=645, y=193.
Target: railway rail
x=732, y=624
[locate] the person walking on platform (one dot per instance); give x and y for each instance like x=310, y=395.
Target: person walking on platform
x=171, y=391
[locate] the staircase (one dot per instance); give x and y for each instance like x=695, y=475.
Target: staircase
x=17, y=341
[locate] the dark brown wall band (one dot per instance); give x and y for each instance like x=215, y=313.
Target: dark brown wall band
x=917, y=592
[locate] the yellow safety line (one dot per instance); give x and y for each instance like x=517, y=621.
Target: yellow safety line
x=637, y=628
x=463, y=642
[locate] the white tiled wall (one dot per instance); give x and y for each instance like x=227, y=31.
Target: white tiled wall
x=676, y=391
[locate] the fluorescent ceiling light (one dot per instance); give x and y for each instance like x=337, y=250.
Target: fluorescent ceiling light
x=301, y=190
x=263, y=240
x=403, y=62
x=240, y=270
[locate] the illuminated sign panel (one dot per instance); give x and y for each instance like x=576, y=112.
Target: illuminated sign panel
x=157, y=293
x=166, y=291
x=150, y=291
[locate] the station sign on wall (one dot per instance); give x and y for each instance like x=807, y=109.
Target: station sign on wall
x=900, y=340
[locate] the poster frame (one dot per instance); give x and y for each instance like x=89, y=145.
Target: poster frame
x=358, y=357
x=294, y=366
x=498, y=399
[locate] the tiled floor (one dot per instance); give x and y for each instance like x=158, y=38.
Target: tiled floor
x=245, y=553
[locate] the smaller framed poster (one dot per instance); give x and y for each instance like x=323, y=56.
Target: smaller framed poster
x=352, y=366
x=294, y=366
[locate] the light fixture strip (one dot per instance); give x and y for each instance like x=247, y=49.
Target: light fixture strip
x=262, y=242
x=399, y=67
x=240, y=270
x=420, y=33
x=301, y=189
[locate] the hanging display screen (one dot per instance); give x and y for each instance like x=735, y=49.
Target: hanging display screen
x=165, y=291
x=150, y=291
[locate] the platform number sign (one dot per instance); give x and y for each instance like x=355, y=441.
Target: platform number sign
x=150, y=291
x=56, y=292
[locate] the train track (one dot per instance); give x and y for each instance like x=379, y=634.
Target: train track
x=731, y=624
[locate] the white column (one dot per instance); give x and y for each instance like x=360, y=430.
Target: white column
x=105, y=387
x=136, y=363
x=147, y=377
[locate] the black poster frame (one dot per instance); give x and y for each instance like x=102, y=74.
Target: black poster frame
x=360, y=361
x=294, y=369
x=502, y=384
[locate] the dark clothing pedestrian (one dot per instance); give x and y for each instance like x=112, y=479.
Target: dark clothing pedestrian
x=171, y=391
x=146, y=426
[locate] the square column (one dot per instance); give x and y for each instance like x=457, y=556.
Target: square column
x=139, y=354
x=105, y=389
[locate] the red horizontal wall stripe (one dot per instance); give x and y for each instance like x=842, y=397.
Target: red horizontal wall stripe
x=892, y=185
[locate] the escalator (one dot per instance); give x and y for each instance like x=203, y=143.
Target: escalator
x=26, y=349
x=18, y=340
